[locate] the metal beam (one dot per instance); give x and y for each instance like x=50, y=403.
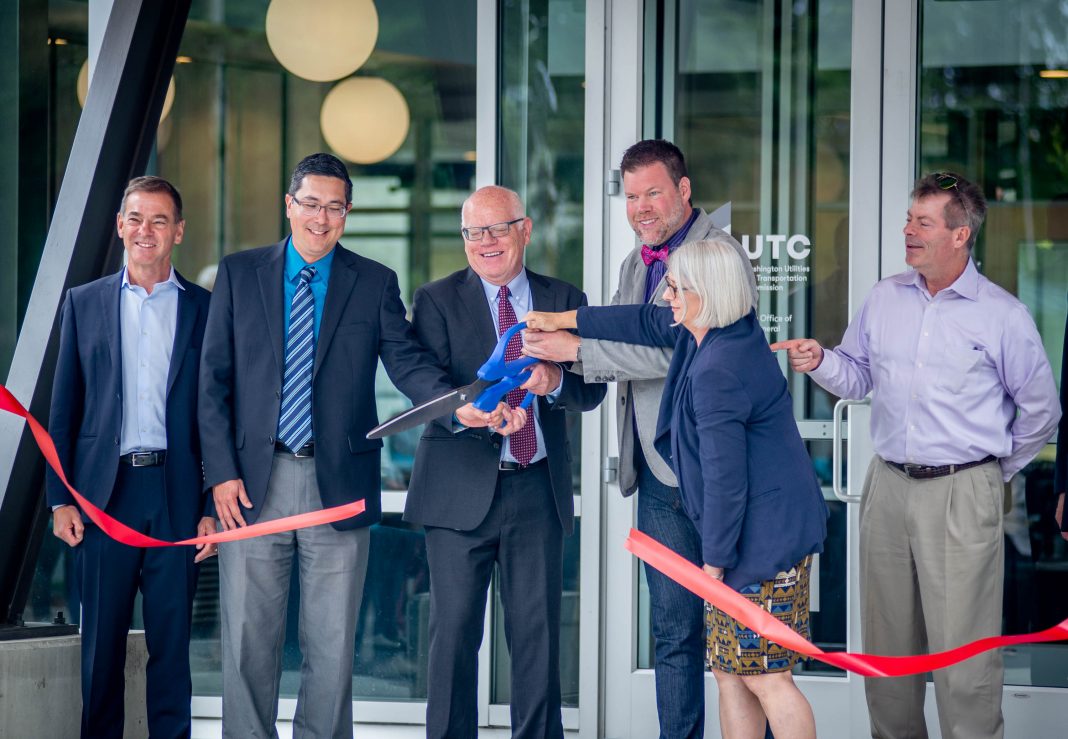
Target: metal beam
x=114, y=139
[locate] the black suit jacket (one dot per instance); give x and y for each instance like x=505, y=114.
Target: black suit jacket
x=244, y=359
x=455, y=474
x=85, y=419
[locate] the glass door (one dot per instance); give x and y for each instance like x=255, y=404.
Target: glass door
x=761, y=98
x=992, y=104
x=810, y=121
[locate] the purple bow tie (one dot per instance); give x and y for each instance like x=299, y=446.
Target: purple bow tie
x=650, y=255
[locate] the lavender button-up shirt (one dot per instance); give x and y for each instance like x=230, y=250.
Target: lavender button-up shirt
x=954, y=377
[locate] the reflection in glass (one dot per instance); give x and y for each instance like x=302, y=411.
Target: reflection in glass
x=541, y=144
x=541, y=134
x=501, y=685
x=238, y=126
x=391, y=633
x=768, y=132
x=988, y=110
x=54, y=593
x=542, y=116
x=828, y=615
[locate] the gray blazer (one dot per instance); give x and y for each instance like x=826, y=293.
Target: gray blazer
x=640, y=370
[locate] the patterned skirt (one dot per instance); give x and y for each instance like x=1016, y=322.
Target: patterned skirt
x=732, y=647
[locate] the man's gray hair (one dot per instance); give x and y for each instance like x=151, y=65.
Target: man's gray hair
x=715, y=272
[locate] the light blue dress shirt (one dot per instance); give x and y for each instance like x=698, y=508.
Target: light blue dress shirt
x=294, y=264
x=147, y=327
x=519, y=297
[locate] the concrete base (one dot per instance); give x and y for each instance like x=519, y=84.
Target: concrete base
x=40, y=687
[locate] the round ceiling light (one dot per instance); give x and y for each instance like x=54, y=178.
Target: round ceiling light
x=83, y=90
x=364, y=119
x=322, y=40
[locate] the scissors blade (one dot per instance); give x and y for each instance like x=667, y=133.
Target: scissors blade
x=429, y=410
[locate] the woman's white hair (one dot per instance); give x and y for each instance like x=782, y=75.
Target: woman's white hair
x=716, y=273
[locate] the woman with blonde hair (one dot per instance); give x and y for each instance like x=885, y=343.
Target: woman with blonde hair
x=726, y=425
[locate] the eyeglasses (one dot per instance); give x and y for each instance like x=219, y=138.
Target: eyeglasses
x=945, y=181
x=333, y=212
x=497, y=230
x=671, y=290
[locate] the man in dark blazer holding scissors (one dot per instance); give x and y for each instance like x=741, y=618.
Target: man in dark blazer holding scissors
x=123, y=418
x=293, y=340
x=485, y=499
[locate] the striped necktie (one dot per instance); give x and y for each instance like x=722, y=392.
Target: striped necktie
x=295, y=421
x=524, y=442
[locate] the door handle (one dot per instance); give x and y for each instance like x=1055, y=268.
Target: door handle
x=836, y=450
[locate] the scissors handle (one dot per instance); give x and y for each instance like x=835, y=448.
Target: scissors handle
x=496, y=367
x=488, y=399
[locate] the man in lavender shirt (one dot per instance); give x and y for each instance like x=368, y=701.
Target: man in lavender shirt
x=962, y=398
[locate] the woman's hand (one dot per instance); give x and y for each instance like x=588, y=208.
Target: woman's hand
x=539, y=321
x=716, y=573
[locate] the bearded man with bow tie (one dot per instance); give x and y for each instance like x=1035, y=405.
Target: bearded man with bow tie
x=663, y=217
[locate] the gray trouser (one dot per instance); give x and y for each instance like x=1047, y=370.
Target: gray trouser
x=253, y=592
x=931, y=575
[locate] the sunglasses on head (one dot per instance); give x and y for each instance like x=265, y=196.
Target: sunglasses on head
x=945, y=181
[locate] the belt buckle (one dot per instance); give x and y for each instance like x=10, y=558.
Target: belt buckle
x=909, y=468
x=305, y=452
x=142, y=459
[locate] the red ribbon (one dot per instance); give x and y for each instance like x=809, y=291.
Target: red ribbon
x=723, y=597
x=122, y=533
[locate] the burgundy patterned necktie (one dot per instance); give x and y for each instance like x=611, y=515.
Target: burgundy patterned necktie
x=523, y=442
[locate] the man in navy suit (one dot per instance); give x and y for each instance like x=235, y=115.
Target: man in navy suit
x=488, y=501
x=294, y=336
x=123, y=418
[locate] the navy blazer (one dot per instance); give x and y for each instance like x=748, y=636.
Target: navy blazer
x=726, y=425
x=85, y=419
x=244, y=360
x=455, y=474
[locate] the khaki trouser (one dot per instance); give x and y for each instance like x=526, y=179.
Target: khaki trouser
x=931, y=575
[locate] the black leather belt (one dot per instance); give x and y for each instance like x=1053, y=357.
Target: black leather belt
x=925, y=472
x=308, y=450
x=506, y=466
x=144, y=459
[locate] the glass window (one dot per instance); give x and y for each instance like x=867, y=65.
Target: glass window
x=757, y=96
x=390, y=663
x=501, y=685
x=238, y=125
x=993, y=99
x=541, y=145
x=542, y=117
x=53, y=594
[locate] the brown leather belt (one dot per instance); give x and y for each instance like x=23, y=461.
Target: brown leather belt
x=926, y=472
x=144, y=459
x=308, y=450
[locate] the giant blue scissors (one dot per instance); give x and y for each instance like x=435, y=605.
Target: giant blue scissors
x=496, y=378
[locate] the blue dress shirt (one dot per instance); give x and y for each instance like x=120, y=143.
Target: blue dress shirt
x=147, y=325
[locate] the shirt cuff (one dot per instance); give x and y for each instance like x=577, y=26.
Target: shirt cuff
x=555, y=394
x=457, y=427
